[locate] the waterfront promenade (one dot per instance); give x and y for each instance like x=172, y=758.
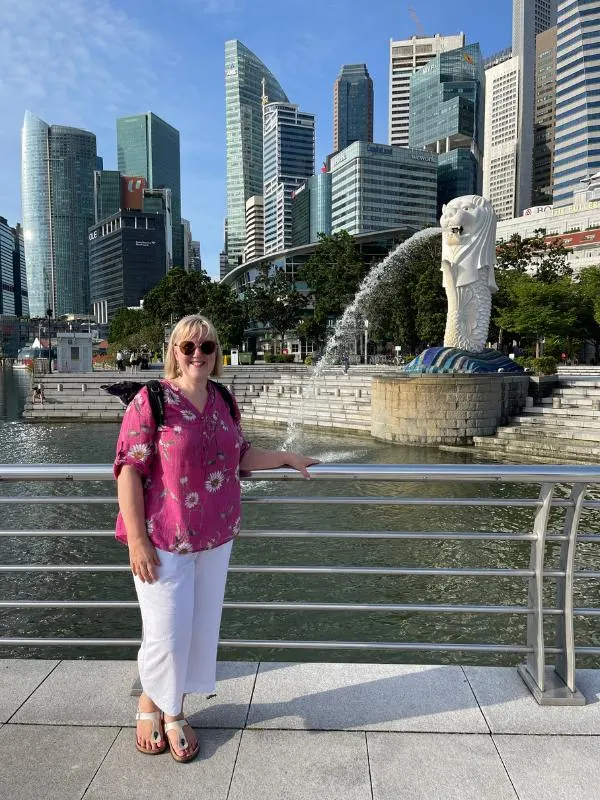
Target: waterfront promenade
x=300, y=732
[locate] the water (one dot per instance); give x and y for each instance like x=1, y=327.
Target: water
x=94, y=443
x=344, y=333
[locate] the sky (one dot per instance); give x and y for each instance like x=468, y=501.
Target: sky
x=86, y=62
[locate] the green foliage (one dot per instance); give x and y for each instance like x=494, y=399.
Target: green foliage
x=181, y=293
x=134, y=330
x=536, y=309
x=545, y=365
x=408, y=306
x=545, y=260
x=333, y=272
x=279, y=358
x=274, y=301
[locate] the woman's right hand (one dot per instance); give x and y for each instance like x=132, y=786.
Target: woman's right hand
x=143, y=559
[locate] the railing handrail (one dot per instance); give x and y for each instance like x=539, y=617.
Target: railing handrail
x=500, y=473
x=548, y=477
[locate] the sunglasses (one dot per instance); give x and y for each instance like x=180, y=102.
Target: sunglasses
x=188, y=348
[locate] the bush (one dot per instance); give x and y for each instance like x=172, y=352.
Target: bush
x=546, y=365
x=309, y=360
x=279, y=358
x=268, y=358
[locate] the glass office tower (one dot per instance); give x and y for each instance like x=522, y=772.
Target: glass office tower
x=288, y=160
x=577, y=132
x=57, y=191
x=148, y=147
x=447, y=111
x=352, y=106
x=244, y=73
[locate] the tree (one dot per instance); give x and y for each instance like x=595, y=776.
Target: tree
x=178, y=294
x=539, y=309
x=333, y=273
x=125, y=322
x=274, y=301
x=547, y=260
x=226, y=312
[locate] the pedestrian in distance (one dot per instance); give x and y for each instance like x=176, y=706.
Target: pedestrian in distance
x=120, y=361
x=133, y=361
x=345, y=362
x=179, y=513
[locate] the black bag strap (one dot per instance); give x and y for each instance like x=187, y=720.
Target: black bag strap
x=226, y=395
x=157, y=401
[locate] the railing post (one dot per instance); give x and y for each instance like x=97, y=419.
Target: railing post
x=533, y=671
x=565, y=634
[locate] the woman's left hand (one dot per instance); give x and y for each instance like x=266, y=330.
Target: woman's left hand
x=299, y=462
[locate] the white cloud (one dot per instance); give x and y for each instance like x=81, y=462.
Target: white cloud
x=68, y=55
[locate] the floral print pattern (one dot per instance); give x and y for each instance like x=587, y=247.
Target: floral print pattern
x=190, y=467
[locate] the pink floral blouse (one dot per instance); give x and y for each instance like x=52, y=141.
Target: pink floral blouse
x=190, y=467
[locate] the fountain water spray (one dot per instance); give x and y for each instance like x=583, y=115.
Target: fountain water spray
x=345, y=329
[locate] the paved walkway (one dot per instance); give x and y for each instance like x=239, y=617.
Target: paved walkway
x=300, y=732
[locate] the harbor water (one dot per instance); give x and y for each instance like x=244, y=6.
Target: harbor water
x=95, y=443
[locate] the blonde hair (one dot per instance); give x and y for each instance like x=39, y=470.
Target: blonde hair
x=194, y=326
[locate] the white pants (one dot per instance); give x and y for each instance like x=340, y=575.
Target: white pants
x=181, y=617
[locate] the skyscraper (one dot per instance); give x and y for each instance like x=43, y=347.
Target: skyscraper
x=577, y=140
x=501, y=136
x=352, y=106
x=244, y=73
x=288, y=160
x=406, y=57
x=545, y=117
x=57, y=191
x=530, y=17
x=147, y=146
x=447, y=111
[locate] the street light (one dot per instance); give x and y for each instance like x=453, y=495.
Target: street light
x=366, y=339
x=49, y=315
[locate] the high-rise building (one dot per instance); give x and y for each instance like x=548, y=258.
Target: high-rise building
x=352, y=106
x=530, y=17
x=7, y=249
x=107, y=193
x=20, y=274
x=375, y=187
x=127, y=258
x=447, y=112
x=148, y=147
x=288, y=160
x=545, y=117
x=406, y=57
x=244, y=74
x=13, y=292
x=577, y=135
x=57, y=191
x=255, y=227
x=311, y=209
x=196, y=265
x=501, y=136
x=187, y=244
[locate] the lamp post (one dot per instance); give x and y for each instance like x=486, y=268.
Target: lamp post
x=49, y=315
x=366, y=339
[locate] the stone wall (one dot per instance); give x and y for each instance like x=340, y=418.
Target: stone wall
x=444, y=409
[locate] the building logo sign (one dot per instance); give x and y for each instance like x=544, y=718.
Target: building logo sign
x=530, y=212
x=377, y=148
x=144, y=244
x=93, y=235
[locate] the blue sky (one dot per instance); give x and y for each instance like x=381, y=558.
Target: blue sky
x=86, y=62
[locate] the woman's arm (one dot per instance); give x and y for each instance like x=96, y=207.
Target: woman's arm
x=142, y=554
x=258, y=458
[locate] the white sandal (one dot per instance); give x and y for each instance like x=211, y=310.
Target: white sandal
x=178, y=725
x=157, y=735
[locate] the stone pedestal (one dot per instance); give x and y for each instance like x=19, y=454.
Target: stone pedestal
x=444, y=409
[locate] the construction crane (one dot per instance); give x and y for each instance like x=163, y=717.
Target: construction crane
x=413, y=15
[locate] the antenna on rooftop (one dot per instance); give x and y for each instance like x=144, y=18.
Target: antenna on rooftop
x=413, y=15
x=264, y=98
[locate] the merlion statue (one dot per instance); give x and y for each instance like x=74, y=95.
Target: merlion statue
x=468, y=257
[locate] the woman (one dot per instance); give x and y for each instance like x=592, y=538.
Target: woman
x=179, y=511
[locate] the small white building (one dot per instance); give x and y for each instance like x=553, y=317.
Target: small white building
x=74, y=352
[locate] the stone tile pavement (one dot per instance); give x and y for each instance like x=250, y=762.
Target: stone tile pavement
x=300, y=732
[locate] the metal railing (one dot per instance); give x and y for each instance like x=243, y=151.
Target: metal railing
x=562, y=488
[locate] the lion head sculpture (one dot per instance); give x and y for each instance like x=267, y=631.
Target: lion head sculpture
x=469, y=239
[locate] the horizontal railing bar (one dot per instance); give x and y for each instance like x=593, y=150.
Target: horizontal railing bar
x=293, y=570
x=292, y=534
x=311, y=500
x=279, y=606
x=496, y=473
x=586, y=612
x=283, y=645
x=591, y=575
x=587, y=651
x=404, y=501
x=66, y=500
